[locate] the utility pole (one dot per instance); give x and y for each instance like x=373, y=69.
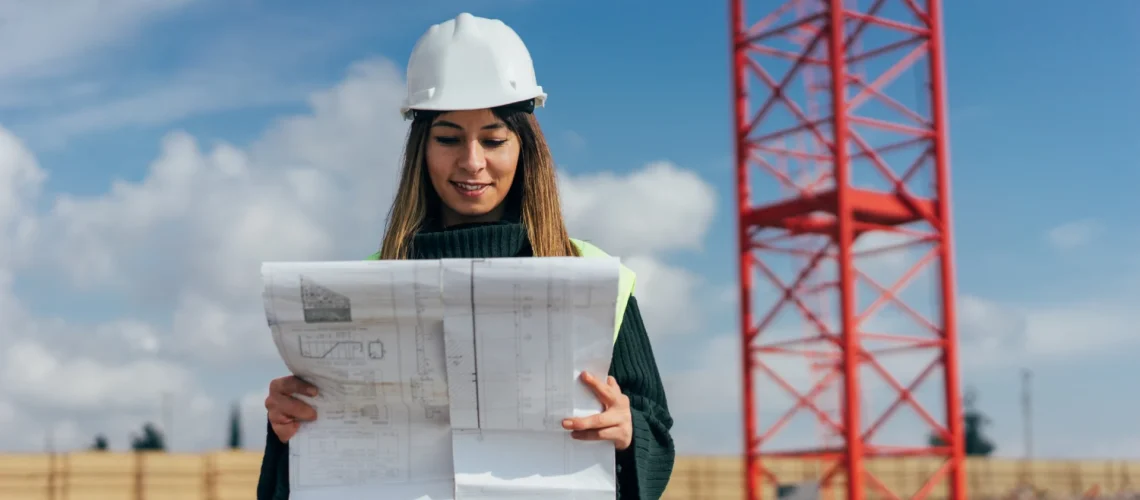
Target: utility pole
x=1027, y=426
x=49, y=444
x=49, y=439
x=1027, y=411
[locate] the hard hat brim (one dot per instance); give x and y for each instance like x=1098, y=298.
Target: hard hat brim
x=442, y=106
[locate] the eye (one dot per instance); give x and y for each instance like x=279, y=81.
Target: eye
x=447, y=141
x=493, y=143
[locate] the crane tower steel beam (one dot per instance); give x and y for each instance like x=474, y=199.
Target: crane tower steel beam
x=873, y=170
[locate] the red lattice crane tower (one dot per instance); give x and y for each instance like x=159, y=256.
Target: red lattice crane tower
x=853, y=193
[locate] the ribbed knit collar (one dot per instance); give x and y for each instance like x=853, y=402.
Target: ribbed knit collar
x=502, y=238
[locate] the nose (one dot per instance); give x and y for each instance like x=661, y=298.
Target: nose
x=473, y=158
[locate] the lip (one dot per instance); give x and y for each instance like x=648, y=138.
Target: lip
x=469, y=193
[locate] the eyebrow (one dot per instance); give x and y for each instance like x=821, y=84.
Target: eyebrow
x=447, y=124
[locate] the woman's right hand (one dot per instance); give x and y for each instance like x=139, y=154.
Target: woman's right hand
x=285, y=411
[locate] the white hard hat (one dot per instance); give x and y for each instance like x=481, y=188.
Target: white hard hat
x=469, y=63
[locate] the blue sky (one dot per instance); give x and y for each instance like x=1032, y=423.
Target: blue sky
x=1041, y=122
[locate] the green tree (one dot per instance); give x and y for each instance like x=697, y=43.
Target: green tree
x=977, y=445
x=151, y=439
x=100, y=443
x=235, y=427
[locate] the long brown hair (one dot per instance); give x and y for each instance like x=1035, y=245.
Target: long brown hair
x=538, y=199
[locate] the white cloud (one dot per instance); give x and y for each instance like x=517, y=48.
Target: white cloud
x=66, y=382
x=188, y=238
x=208, y=90
x=79, y=70
x=705, y=399
x=659, y=208
x=71, y=381
x=1074, y=234
x=20, y=182
x=53, y=36
x=1011, y=334
x=640, y=216
x=303, y=192
x=668, y=296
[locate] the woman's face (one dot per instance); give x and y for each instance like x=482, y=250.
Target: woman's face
x=471, y=159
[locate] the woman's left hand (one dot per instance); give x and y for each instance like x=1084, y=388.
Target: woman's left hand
x=614, y=423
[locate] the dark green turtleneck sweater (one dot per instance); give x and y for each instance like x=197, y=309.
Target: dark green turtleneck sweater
x=643, y=469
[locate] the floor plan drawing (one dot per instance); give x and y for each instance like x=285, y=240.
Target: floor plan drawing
x=331, y=349
x=319, y=346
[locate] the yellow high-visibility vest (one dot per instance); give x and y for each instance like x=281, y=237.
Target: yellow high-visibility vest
x=626, y=279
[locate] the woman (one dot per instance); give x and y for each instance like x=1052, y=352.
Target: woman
x=478, y=181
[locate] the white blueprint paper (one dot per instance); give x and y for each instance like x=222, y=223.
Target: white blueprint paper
x=518, y=334
x=369, y=336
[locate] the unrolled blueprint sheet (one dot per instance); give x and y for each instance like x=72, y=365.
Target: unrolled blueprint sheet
x=369, y=336
x=518, y=334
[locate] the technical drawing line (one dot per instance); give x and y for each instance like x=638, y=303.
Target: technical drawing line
x=313, y=348
x=475, y=348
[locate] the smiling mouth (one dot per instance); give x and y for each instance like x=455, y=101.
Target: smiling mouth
x=469, y=188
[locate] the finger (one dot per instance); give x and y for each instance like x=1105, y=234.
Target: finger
x=279, y=418
x=286, y=432
x=615, y=434
x=293, y=385
x=600, y=420
x=291, y=407
x=606, y=394
x=612, y=382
